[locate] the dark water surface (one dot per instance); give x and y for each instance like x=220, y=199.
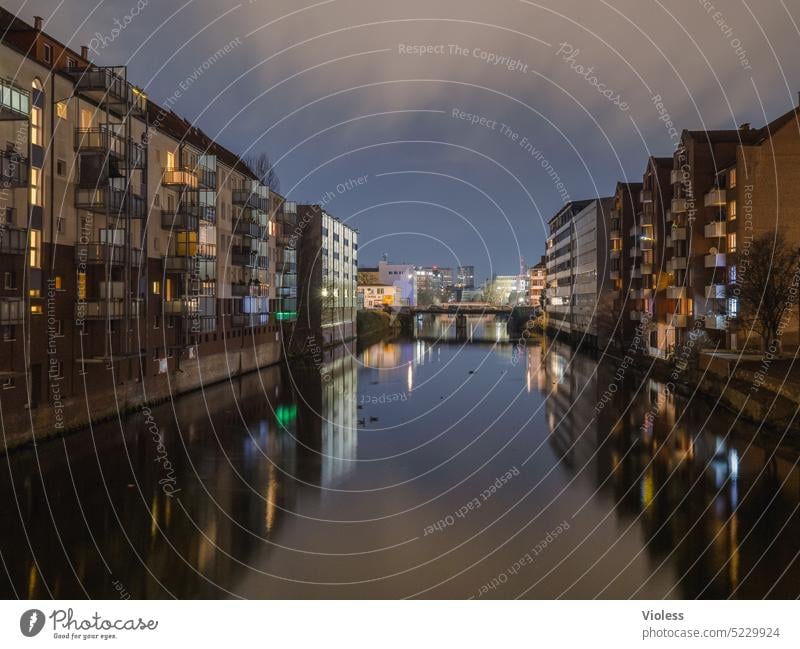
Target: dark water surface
x=408, y=469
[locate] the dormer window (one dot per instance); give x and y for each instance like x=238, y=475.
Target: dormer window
x=48, y=53
x=70, y=63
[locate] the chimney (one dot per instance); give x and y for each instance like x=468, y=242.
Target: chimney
x=37, y=23
x=745, y=126
x=85, y=52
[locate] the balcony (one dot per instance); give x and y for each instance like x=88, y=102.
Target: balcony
x=646, y=196
x=641, y=293
x=241, y=289
x=678, y=205
x=13, y=169
x=716, y=292
x=183, y=219
x=104, y=253
x=12, y=310
x=677, y=263
x=198, y=306
x=104, y=309
x=715, y=197
x=646, y=218
x=647, y=269
x=679, y=320
x=676, y=176
x=102, y=140
x=716, y=321
x=614, y=254
x=614, y=234
x=207, y=172
x=635, y=251
x=613, y=274
x=180, y=178
x=13, y=241
x=255, y=197
x=249, y=319
x=243, y=257
x=715, y=229
x=676, y=292
x=715, y=260
x=111, y=200
x=679, y=234
x=108, y=86
x=636, y=273
x=248, y=228
x=635, y=315
x=15, y=103
x=669, y=217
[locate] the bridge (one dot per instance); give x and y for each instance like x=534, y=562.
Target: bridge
x=463, y=308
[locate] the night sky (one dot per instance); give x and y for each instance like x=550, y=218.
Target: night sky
x=562, y=92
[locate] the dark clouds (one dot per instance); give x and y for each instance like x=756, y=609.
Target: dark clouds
x=344, y=102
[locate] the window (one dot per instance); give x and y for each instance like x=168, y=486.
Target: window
x=732, y=242
x=10, y=280
x=156, y=287
x=8, y=384
x=731, y=274
x=36, y=186
x=170, y=159
x=70, y=63
x=61, y=167
x=36, y=126
x=732, y=178
x=732, y=211
x=733, y=307
x=36, y=309
x=34, y=243
x=86, y=118
x=81, y=286
x=168, y=289
x=57, y=282
x=47, y=53
x=9, y=333
x=61, y=110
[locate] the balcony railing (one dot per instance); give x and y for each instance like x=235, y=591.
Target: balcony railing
x=249, y=319
x=647, y=268
x=676, y=176
x=13, y=241
x=102, y=139
x=678, y=205
x=715, y=197
x=636, y=273
x=200, y=306
x=614, y=234
x=641, y=293
x=716, y=321
x=247, y=228
x=613, y=274
x=12, y=310
x=110, y=199
x=646, y=196
x=677, y=263
x=108, y=86
x=243, y=257
x=13, y=169
x=679, y=320
x=679, y=234
x=104, y=309
x=715, y=260
x=15, y=103
x=716, y=292
x=104, y=253
x=715, y=229
x=635, y=315
x=676, y=292
x=183, y=219
x=241, y=289
x=614, y=254
x=180, y=177
x=635, y=251
x=254, y=199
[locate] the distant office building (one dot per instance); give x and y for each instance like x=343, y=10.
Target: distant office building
x=578, y=295
x=402, y=276
x=504, y=290
x=327, y=253
x=368, y=276
x=465, y=277
x=377, y=296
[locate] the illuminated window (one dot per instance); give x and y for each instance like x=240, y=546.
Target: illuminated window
x=36, y=309
x=57, y=282
x=86, y=118
x=732, y=211
x=170, y=159
x=168, y=289
x=732, y=242
x=61, y=110
x=157, y=287
x=36, y=186
x=36, y=126
x=732, y=178
x=34, y=243
x=81, y=286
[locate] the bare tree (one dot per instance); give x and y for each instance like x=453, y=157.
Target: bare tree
x=767, y=285
x=261, y=166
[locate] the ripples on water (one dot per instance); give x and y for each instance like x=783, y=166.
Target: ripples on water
x=377, y=477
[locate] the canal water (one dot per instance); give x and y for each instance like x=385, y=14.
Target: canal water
x=428, y=467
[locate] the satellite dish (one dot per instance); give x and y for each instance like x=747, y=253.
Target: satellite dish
x=712, y=250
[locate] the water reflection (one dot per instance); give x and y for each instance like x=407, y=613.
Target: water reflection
x=462, y=328
x=321, y=482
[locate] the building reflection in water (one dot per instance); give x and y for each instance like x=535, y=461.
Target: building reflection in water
x=461, y=328
x=94, y=519
x=667, y=462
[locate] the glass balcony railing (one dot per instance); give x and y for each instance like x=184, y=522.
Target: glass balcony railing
x=15, y=103
x=13, y=169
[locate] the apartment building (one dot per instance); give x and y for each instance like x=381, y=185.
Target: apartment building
x=729, y=187
x=537, y=281
x=625, y=255
x=579, y=295
x=328, y=265
x=138, y=255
